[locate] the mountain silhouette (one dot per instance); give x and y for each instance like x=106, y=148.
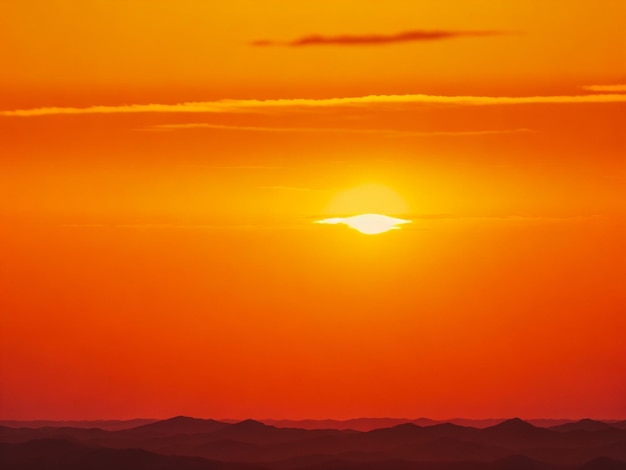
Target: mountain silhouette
x=189, y=443
x=520, y=462
x=604, y=463
x=106, y=424
x=583, y=425
x=250, y=425
x=65, y=455
x=180, y=425
x=357, y=424
x=513, y=425
x=619, y=424
x=517, y=434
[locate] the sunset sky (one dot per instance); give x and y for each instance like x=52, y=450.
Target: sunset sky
x=162, y=163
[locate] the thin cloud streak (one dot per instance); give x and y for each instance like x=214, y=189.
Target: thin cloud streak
x=250, y=106
x=286, y=225
x=298, y=223
x=339, y=130
x=375, y=39
x=288, y=188
x=619, y=88
x=245, y=167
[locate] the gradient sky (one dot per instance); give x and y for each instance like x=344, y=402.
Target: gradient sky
x=162, y=162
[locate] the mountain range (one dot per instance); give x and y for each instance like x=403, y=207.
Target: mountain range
x=190, y=443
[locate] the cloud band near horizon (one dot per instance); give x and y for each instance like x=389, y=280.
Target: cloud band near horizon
x=251, y=106
x=618, y=88
x=375, y=39
x=342, y=130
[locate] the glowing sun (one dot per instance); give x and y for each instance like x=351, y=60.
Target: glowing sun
x=369, y=224
x=368, y=199
x=368, y=202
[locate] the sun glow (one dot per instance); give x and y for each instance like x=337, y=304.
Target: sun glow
x=368, y=199
x=369, y=224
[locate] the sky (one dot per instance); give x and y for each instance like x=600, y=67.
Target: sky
x=162, y=163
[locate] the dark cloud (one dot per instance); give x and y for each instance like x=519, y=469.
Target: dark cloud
x=375, y=39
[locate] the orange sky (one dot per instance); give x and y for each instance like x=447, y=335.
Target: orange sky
x=162, y=162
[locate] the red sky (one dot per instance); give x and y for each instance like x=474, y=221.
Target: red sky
x=162, y=162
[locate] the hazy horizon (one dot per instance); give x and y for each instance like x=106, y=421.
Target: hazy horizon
x=485, y=418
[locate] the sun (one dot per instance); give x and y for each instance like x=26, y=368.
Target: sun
x=368, y=199
x=369, y=224
x=362, y=209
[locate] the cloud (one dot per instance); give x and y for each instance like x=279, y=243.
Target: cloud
x=375, y=39
x=245, y=167
x=287, y=224
x=620, y=88
x=300, y=104
x=286, y=188
x=304, y=223
x=339, y=130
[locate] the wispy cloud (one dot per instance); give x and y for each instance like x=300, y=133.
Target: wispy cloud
x=339, y=130
x=423, y=221
x=287, y=188
x=296, y=104
x=618, y=88
x=245, y=167
x=375, y=39
x=285, y=225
